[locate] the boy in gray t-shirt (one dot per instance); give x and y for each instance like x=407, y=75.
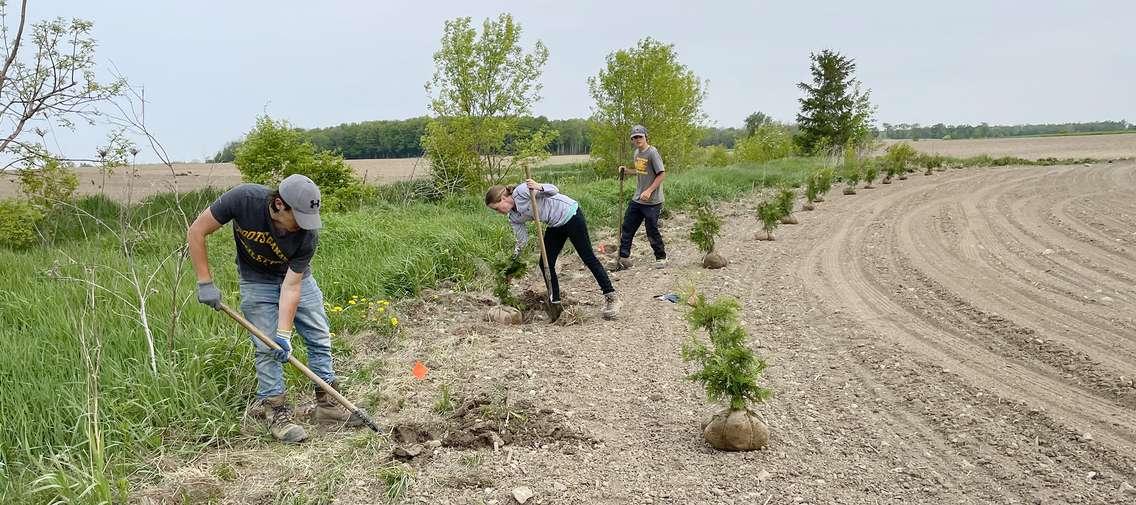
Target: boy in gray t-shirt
x=647, y=204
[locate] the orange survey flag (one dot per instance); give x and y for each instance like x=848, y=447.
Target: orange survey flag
x=419, y=370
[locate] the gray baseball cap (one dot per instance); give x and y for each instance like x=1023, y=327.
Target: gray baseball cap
x=300, y=193
x=638, y=130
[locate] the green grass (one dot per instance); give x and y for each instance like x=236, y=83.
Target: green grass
x=393, y=247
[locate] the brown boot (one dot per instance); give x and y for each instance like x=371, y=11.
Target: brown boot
x=329, y=411
x=277, y=414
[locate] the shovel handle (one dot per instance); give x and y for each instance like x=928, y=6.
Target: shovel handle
x=303, y=368
x=540, y=238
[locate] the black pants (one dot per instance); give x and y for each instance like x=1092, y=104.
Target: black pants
x=636, y=214
x=576, y=230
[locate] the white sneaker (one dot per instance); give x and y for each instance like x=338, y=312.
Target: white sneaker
x=661, y=263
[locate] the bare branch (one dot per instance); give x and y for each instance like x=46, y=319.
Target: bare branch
x=15, y=44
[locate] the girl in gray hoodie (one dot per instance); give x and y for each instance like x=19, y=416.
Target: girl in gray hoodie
x=565, y=220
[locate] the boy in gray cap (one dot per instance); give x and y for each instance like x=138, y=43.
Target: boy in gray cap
x=276, y=235
x=647, y=203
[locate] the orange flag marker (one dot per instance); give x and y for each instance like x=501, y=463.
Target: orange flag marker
x=419, y=370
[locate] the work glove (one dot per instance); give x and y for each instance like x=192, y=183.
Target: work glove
x=208, y=294
x=284, y=340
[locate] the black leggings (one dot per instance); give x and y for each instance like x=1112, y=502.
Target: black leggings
x=576, y=230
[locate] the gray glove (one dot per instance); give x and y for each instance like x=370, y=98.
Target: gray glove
x=208, y=294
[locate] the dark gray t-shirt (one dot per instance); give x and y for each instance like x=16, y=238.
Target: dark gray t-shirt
x=264, y=254
x=648, y=166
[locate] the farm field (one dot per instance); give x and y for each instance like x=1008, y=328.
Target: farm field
x=156, y=178
x=966, y=337
x=1121, y=145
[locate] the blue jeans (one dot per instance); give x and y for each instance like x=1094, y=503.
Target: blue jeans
x=260, y=303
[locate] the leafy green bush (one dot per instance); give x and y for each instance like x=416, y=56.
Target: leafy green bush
x=730, y=370
x=769, y=142
x=812, y=192
x=896, y=160
x=49, y=185
x=871, y=171
x=18, y=220
x=274, y=150
x=824, y=179
x=718, y=156
x=707, y=226
x=929, y=162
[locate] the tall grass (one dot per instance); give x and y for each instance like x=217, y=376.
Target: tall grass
x=395, y=245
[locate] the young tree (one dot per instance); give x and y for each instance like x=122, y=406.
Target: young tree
x=274, y=150
x=769, y=142
x=835, y=110
x=482, y=86
x=47, y=76
x=646, y=85
x=755, y=121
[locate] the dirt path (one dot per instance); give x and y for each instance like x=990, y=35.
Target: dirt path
x=961, y=338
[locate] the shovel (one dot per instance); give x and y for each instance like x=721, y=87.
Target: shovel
x=553, y=309
x=356, y=412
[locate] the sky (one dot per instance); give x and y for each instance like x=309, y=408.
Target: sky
x=210, y=67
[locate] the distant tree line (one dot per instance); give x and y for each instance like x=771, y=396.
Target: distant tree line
x=403, y=138
x=965, y=131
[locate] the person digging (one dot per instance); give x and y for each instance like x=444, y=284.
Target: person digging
x=276, y=236
x=565, y=220
x=647, y=204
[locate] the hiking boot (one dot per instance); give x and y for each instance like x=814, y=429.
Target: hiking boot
x=276, y=412
x=611, y=306
x=620, y=264
x=329, y=411
x=660, y=262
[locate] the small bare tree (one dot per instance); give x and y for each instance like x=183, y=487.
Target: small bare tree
x=47, y=78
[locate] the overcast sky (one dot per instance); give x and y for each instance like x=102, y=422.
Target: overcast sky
x=209, y=67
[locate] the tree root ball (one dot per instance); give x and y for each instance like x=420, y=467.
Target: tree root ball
x=790, y=219
x=504, y=314
x=808, y=206
x=714, y=261
x=736, y=430
x=849, y=191
x=763, y=235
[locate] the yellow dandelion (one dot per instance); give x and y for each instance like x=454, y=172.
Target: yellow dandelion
x=364, y=300
x=331, y=333
x=394, y=321
x=337, y=309
x=382, y=309
x=352, y=302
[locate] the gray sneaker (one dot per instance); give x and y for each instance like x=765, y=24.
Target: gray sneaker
x=660, y=263
x=612, y=304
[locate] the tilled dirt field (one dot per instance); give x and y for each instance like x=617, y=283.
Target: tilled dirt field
x=123, y=185
x=1103, y=147
x=966, y=337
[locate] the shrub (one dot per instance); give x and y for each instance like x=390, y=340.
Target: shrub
x=769, y=142
x=852, y=170
x=707, y=225
x=824, y=179
x=18, y=220
x=49, y=185
x=897, y=158
x=505, y=268
x=785, y=200
x=718, y=156
x=274, y=150
x=770, y=214
x=729, y=372
x=871, y=171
